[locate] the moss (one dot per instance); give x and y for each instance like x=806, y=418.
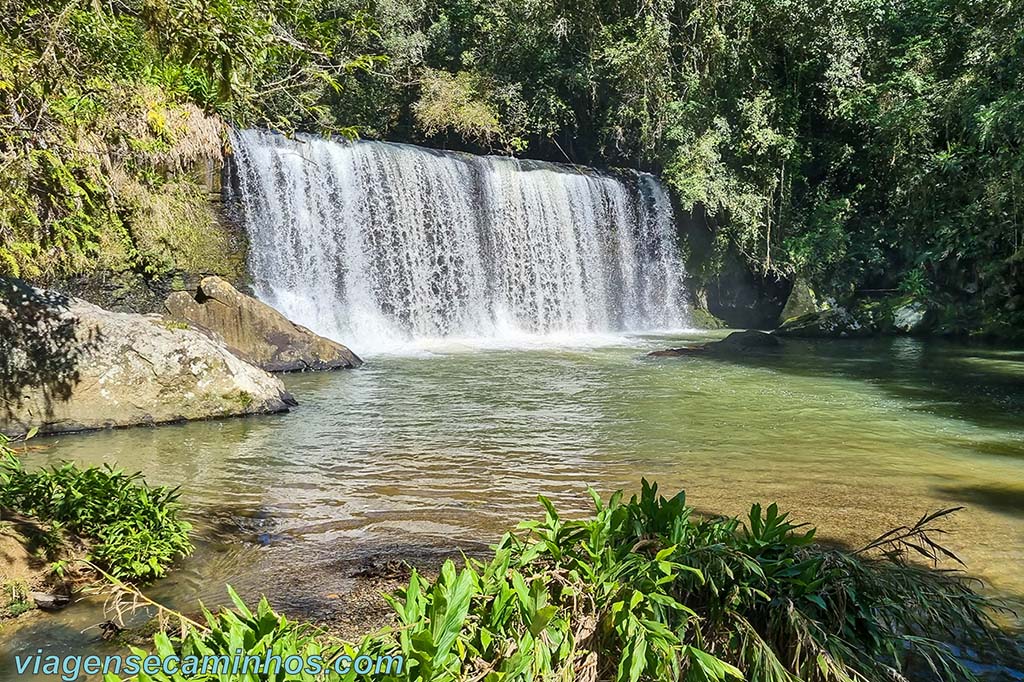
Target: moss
x=172, y=325
x=702, y=319
x=243, y=398
x=114, y=187
x=175, y=227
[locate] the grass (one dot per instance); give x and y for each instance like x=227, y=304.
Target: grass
x=133, y=528
x=647, y=590
x=14, y=598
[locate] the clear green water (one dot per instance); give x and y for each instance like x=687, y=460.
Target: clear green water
x=447, y=447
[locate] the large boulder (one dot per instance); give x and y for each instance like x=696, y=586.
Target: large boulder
x=801, y=301
x=911, y=317
x=68, y=365
x=254, y=331
x=832, y=322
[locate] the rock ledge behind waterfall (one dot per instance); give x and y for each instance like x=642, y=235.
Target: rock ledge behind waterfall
x=254, y=331
x=78, y=367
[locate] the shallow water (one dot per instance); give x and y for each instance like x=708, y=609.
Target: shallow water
x=447, y=446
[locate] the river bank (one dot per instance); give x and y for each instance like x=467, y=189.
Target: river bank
x=878, y=572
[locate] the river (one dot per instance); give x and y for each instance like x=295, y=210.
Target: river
x=445, y=445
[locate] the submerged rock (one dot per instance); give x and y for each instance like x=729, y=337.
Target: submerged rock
x=676, y=352
x=254, y=331
x=89, y=368
x=737, y=342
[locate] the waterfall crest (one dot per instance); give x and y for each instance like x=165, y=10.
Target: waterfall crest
x=375, y=244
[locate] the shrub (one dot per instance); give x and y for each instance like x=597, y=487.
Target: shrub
x=646, y=590
x=135, y=529
x=241, y=635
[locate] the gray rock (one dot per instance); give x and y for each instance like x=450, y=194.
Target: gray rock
x=910, y=318
x=254, y=331
x=49, y=602
x=120, y=369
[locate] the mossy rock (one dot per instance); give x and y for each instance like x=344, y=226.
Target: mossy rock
x=702, y=319
x=835, y=322
x=801, y=301
x=863, y=317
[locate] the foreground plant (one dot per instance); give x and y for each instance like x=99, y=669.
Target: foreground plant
x=646, y=590
x=133, y=528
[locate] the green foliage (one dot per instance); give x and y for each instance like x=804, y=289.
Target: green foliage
x=15, y=599
x=647, y=590
x=134, y=527
x=102, y=103
x=255, y=633
x=454, y=102
x=849, y=142
x=275, y=62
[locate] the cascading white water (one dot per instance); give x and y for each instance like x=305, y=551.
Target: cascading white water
x=376, y=244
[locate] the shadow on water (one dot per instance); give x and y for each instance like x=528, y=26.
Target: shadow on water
x=1001, y=500
x=40, y=347
x=980, y=384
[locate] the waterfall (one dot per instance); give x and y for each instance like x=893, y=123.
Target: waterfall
x=376, y=244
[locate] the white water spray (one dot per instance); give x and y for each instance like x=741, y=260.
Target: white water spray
x=377, y=244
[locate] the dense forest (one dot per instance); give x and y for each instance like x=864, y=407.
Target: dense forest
x=863, y=146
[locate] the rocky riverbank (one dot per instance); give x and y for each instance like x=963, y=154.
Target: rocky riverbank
x=69, y=365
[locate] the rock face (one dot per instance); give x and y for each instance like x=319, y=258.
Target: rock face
x=91, y=368
x=750, y=341
x=745, y=299
x=254, y=331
